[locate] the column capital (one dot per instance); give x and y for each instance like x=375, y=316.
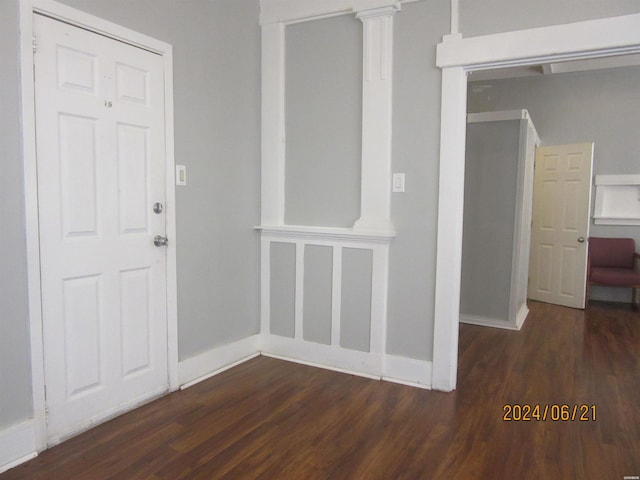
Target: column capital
x=383, y=11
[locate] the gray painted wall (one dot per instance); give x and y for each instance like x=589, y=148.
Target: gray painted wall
x=355, y=310
x=15, y=368
x=599, y=106
x=494, y=16
x=217, y=107
x=323, y=122
x=317, y=302
x=489, y=218
x=282, y=288
x=216, y=53
x=418, y=27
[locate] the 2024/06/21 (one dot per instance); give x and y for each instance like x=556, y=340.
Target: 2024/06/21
x=553, y=412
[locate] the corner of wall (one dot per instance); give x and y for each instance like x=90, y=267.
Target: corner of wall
x=207, y=364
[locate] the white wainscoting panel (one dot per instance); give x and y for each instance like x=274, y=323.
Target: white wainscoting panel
x=334, y=356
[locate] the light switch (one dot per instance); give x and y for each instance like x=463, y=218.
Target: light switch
x=398, y=183
x=181, y=175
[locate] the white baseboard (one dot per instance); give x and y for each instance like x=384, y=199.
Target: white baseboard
x=407, y=371
x=216, y=360
x=488, y=322
x=354, y=362
x=392, y=368
x=521, y=316
x=17, y=445
x=319, y=365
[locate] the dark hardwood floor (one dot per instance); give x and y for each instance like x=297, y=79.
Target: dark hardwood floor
x=271, y=419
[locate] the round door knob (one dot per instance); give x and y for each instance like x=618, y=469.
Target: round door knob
x=160, y=241
x=581, y=239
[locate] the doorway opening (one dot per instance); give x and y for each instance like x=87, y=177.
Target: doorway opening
x=457, y=57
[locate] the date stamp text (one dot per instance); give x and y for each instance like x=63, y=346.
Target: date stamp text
x=549, y=412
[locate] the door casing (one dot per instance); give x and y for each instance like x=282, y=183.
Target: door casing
x=458, y=56
x=89, y=22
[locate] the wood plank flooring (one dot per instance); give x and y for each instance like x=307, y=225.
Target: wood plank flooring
x=271, y=419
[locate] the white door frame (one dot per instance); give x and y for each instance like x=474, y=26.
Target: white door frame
x=75, y=17
x=457, y=56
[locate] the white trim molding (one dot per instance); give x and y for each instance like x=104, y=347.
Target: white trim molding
x=407, y=371
x=377, y=94
x=205, y=365
x=457, y=56
x=603, y=37
x=88, y=22
x=377, y=115
x=296, y=11
x=325, y=234
x=617, y=200
x=273, y=126
x=18, y=444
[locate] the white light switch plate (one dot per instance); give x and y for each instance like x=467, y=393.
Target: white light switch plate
x=398, y=183
x=181, y=175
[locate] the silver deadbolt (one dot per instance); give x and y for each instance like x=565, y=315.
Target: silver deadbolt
x=157, y=207
x=580, y=239
x=160, y=241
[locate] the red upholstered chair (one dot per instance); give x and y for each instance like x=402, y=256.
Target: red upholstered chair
x=612, y=263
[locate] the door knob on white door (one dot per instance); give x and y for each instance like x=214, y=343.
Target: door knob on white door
x=580, y=239
x=160, y=241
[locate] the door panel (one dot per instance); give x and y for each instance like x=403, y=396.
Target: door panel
x=101, y=161
x=82, y=334
x=562, y=201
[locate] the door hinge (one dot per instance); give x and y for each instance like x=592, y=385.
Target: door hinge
x=34, y=43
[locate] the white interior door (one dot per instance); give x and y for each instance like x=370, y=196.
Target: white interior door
x=561, y=208
x=101, y=168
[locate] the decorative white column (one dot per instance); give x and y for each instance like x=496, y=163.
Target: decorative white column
x=450, y=218
x=375, y=203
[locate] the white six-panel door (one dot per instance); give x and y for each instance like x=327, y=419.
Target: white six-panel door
x=101, y=168
x=560, y=230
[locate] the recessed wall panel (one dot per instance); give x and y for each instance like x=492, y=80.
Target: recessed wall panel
x=133, y=178
x=355, y=312
x=283, y=288
x=318, y=272
x=78, y=175
x=82, y=334
x=323, y=117
x=135, y=320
